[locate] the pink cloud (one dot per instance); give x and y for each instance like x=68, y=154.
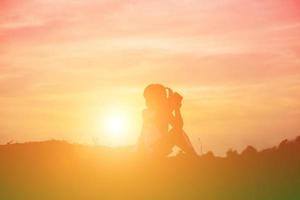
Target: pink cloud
x=236, y=60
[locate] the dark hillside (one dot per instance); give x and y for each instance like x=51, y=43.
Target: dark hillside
x=59, y=170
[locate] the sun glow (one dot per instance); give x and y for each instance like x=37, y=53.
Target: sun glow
x=115, y=124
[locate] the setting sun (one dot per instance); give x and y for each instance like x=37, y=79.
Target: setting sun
x=115, y=124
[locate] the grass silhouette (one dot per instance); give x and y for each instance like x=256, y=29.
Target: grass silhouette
x=59, y=170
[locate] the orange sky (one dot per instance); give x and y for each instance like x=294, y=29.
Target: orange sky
x=63, y=63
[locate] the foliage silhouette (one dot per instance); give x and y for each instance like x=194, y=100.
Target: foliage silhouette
x=60, y=170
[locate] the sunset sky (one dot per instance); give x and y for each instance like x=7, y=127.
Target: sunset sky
x=65, y=65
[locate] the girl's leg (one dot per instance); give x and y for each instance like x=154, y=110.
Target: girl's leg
x=182, y=140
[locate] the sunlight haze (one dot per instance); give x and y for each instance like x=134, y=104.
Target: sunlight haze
x=64, y=66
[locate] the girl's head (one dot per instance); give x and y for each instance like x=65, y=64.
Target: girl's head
x=156, y=96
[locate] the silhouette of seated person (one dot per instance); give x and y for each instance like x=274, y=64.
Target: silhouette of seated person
x=163, y=123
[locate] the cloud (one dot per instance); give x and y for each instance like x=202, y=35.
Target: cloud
x=76, y=20
x=237, y=62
